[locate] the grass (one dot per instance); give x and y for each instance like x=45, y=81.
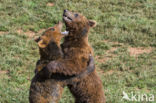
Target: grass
x=121, y=25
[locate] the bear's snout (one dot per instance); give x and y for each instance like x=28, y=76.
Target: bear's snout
x=65, y=10
x=67, y=16
x=37, y=39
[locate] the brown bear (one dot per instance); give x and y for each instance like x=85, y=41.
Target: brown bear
x=76, y=50
x=50, y=90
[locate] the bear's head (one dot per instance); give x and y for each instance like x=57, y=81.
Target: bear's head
x=52, y=34
x=49, y=42
x=77, y=24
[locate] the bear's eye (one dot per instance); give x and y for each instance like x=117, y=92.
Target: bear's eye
x=52, y=29
x=76, y=15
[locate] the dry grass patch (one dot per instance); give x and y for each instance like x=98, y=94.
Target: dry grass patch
x=107, y=56
x=3, y=72
x=50, y=4
x=138, y=51
x=2, y=32
x=30, y=34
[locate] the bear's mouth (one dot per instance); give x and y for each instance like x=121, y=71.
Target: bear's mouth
x=66, y=18
x=65, y=33
x=37, y=39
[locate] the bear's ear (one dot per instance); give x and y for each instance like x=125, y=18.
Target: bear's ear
x=41, y=44
x=92, y=23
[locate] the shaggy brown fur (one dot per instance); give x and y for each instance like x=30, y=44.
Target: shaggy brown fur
x=76, y=50
x=41, y=90
x=45, y=90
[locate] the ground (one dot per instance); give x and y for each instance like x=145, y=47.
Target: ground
x=124, y=43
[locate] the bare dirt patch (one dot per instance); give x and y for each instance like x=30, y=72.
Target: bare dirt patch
x=112, y=50
x=2, y=32
x=101, y=59
x=30, y=34
x=110, y=72
x=3, y=72
x=115, y=44
x=102, y=72
x=50, y=4
x=107, y=56
x=138, y=51
x=19, y=31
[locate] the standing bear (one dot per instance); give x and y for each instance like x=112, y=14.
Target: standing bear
x=76, y=50
x=50, y=90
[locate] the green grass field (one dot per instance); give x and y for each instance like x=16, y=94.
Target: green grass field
x=124, y=43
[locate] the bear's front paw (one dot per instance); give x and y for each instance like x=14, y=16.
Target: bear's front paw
x=52, y=67
x=44, y=73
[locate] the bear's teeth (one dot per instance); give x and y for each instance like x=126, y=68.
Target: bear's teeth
x=66, y=19
x=65, y=33
x=69, y=18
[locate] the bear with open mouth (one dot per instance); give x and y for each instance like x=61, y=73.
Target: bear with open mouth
x=76, y=49
x=43, y=90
